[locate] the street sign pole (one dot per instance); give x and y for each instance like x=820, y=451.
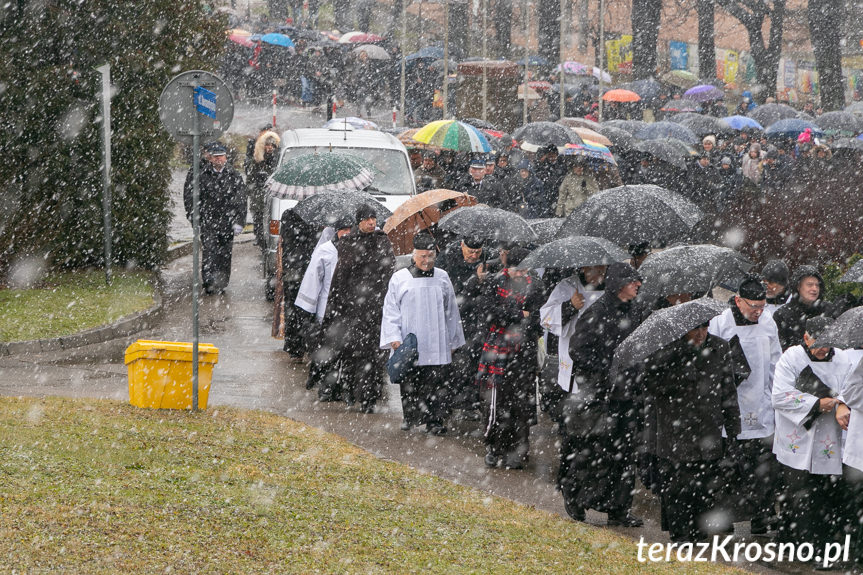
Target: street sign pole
x=105, y=71
x=196, y=249
x=192, y=105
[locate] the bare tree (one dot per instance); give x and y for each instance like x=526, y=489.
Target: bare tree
x=706, y=43
x=825, y=21
x=752, y=15
x=645, y=34
x=549, y=29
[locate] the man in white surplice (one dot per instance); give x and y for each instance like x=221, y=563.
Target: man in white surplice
x=420, y=300
x=314, y=292
x=750, y=328
x=570, y=298
x=808, y=438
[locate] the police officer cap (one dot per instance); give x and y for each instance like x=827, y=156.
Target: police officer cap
x=751, y=288
x=477, y=161
x=489, y=159
x=215, y=149
x=424, y=241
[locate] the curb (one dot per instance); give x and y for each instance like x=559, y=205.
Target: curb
x=123, y=327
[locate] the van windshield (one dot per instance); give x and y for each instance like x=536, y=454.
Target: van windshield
x=393, y=175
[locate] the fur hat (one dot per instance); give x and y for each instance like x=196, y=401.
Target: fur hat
x=815, y=326
x=264, y=139
x=709, y=138
x=751, y=288
x=424, y=241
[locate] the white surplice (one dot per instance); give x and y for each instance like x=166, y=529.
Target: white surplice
x=315, y=287
x=425, y=307
x=760, y=343
x=852, y=396
x=551, y=318
x=818, y=449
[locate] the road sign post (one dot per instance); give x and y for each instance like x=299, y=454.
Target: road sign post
x=196, y=104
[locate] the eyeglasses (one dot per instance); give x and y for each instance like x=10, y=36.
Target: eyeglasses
x=753, y=307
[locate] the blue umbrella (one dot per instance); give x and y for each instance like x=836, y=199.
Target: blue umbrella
x=791, y=128
x=277, y=39
x=533, y=61
x=743, y=123
x=427, y=53
x=662, y=130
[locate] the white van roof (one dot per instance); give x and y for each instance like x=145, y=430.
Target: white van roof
x=339, y=138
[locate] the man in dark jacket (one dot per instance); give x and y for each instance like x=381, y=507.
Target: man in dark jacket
x=693, y=396
x=530, y=194
x=776, y=276
x=598, y=450
x=352, y=323
x=807, y=290
x=222, y=206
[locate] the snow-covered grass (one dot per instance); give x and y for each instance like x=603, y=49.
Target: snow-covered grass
x=98, y=486
x=67, y=303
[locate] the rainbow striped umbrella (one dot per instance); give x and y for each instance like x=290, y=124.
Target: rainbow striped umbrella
x=591, y=150
x=453, y=135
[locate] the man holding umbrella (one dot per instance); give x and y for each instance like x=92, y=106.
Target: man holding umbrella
x=602, y=411
x=750, y=330
x=352, y=322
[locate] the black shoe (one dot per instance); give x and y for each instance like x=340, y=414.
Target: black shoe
x=625, y=520
x=470, y=415
x=491, y=460
x=310, y=382
x=575, y=512
x=436, y=429
x=759, y=526
x=367, y=407
x=326, y=398
x=513, y=462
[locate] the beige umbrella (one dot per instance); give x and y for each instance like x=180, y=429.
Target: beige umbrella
x=418, y=213
x=592, y=136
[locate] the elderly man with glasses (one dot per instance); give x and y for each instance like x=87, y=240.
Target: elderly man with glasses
x=750, y=330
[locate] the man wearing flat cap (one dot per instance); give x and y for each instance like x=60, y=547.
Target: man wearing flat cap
x=222, y=208
x=751, y=332
x=352, y=320
x=420, y=300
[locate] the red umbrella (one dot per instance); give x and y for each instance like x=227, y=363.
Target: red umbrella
x=619, y=95
x=365, y=38
x=241, y=40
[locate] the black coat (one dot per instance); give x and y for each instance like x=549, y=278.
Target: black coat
x=693, y=397
x=355, y=306
x=222, y=199
x=791, y=318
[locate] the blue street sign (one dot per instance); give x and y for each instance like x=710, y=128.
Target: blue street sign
x=205, y=102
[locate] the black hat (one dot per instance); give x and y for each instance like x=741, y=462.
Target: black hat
x=424, y=241
x=474, y=242
x=752, y=288
x=776, y=271
x=639, y=249
x=515, y=256
x=815, y=326
x=365, y=212
x=429, y=154
x=343, y=222
x=265, y=127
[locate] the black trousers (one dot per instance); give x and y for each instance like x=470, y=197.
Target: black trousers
x=688, y=490
x=759, y=478
x=297, y=321
x=216, y=250
x=426, y=394
x=814, y=508
x=507, y=408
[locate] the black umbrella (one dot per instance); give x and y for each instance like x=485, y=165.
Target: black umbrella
x=546, y=228
x=574, y=252
x=840, y=123
x=767, y=114
x=648, y=89
x=702, y=125
x=620, y=139
x=671, y=151
x=488, y=223
x=326, y=208
x=628, y=125
x=846, y=332
x=847, y=144
x=681, y=105
x=665, y=326
x=690, y=269
x=480, y=124
x=535, y=135
x=633, y=214
x=663, y=130
x=855, y=272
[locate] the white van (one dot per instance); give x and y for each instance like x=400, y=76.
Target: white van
x=393, y=184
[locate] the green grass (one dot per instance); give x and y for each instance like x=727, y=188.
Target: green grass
x=68, y=303
x=103, y=487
